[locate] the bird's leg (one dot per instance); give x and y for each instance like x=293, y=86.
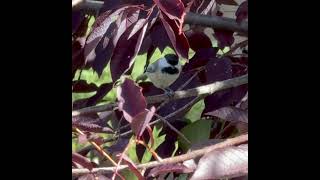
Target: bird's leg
x=169, y=93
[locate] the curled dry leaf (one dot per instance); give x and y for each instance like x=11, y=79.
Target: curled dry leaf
x=226, y=162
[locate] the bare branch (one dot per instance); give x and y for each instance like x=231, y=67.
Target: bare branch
x=191, y=155
x=201, y=90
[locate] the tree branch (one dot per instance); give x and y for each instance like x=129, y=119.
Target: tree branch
x=201, y=90
x=190, y=18
x=191, y=155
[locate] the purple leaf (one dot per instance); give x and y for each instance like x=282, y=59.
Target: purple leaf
x=125, y=51
x=131, y=165
x=141, y=120
x=201, y=6
x=242, y=12
x=100, y=42
x=83, y=86
x=119, y=145
x=101, y=92
x=174, y=9
x=77, y=18
x=81, y=160
x=226, y=162
x=163, y=169
x=198, y=40
x=131, y=99
x=219, y=70
x=159, y=37
x=201, y=58
x=93, y=100
x=232, y=114
x=178, y=40
x=227, y=2
x=224, y=37
x=239, y=65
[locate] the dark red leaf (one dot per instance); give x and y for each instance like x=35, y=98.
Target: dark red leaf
x=126, y=50
x=232, y=114
x=119, y=145
x=177, y=168
x=131, y=99
x=83, y=86
x=226, y=162
x=219, y=70
x=178, y=41
x=103, y=38
x=141, y=120
x=77, y=18
x=174, y=9
x=242, y=12
x=148, y=89
x=131, y=165
x=198, y=40
x=159, y=37
x=201, y=58
x=224, y=37
x=116, y=4
x=102, y=91
x=201, y=6
x=81, y=160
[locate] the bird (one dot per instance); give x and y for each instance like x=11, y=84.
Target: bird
x=163, y=72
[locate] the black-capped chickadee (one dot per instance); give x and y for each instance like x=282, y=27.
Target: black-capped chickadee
x=163, y=72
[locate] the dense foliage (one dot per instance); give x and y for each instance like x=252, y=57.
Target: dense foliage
x=117, y=121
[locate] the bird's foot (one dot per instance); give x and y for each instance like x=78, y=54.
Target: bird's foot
x=169, y=93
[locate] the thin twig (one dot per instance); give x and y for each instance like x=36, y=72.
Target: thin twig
x=239, y=45
x=191, y=155
x=125, y=134
x=201, y=90
x=180, y=88
x=173, y=128
x=100, y=150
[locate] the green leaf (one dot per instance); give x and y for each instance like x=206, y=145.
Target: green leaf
x=196, y=132
x=131, y=153
x=127, y=174
x=158, y=140
x=194, y=113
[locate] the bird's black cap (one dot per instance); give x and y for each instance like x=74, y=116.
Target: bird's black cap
x=172, y=59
